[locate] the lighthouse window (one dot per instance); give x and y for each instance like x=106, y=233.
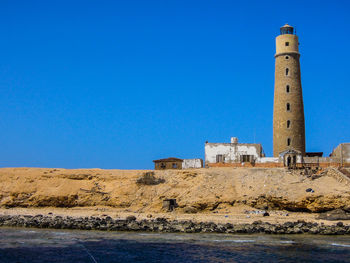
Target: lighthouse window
x=287, y=88
x=287, y=44
x=288, y=107
x=288, y=124
x=287, y=71
x=289, y=140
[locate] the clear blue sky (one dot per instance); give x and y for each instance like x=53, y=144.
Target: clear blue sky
x=117, y=84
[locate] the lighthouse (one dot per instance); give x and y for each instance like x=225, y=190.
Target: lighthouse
x=288, y=110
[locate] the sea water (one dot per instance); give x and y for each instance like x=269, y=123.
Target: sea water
x=34, y=245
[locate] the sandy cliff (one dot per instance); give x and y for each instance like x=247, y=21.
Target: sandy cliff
x=202, y=190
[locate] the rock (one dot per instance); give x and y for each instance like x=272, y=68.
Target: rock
x=190, y=210
x=346, y=208
x=340, y=224
x=337, y=214
x=130, y=218
x=161, y=224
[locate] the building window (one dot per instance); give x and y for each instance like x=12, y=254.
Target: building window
x=288, y=107
x=174, y=165
x=287, y=44
x=162, y=166
x=220, y=158
x=287, y=57
x=247, y=158
x=289, y=140
x=287, y=88
x=287, y=71
x=288, y=124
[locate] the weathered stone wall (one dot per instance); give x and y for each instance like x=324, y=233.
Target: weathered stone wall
x=342, y=151
x=321, y=160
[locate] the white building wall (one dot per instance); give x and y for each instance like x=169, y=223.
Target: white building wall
x=299, y=158
x=268, y=160
x=230, y=151
x=192, y=163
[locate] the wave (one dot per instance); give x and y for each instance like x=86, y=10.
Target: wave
x=340, y=245
x=235, y=240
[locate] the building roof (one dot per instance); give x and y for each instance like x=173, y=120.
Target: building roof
x=314, y=154
x=170, y=159
x=286, y=25
x=291, y=150
x=239, y=144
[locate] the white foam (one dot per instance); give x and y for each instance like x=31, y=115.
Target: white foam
x=287, y=242
x=61, y=233
x=235, y=240
x=340, y=245
x=28, y=231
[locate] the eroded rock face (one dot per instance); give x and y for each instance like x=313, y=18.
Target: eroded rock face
x=197, y=190
x=315, y=203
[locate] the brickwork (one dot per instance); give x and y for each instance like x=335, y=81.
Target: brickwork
x=288, y=115
x=270, y=165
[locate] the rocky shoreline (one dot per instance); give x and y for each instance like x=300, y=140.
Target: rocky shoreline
x=163, y=225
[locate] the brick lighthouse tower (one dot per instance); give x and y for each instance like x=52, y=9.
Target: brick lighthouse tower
x=288, y=111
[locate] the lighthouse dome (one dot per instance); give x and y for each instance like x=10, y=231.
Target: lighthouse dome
x=287, y=29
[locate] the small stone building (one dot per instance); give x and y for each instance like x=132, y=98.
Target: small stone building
x=291, y=157
x=234, y=152
x=176, y=163
x=168, y=163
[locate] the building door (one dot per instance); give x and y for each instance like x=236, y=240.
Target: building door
x=219, y=158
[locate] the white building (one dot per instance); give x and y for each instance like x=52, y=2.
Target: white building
x=192, y=163
x=233, y=152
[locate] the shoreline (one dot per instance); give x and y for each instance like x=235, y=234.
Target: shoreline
x=164, y=225
x=213, y=200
